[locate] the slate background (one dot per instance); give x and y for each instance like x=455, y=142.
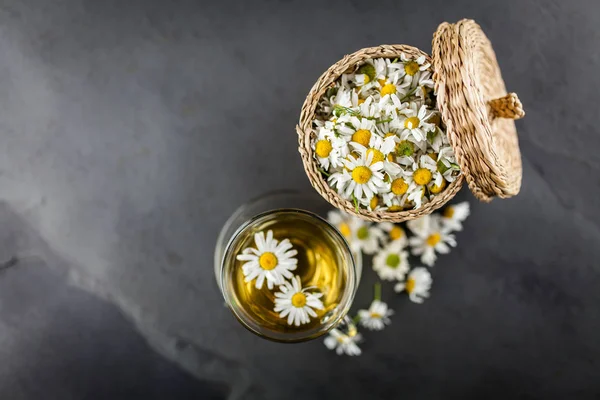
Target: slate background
x=132, y=129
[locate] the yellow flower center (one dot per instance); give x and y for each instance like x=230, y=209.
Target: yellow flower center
x=412, y=122
x=435, y=189
x=344, y=229
x=352, y=331
x=367, y=79
x=422, y=176
x=448, y=212
x=388, y=89
x=410, y=285
x=381, y=82
x=411, y=68
x=362, y=233
x=268, y=261
x=375, y=315
x=395, y=208
x=362, y=136
x=434, y=239
x=377, y=155
x=362, y=174
x=374, y=202
x=396, y=233
x=360, y=101
x=399, y=186
x=323, y=148
x=299, y=300
x=392, y=261
x=390, y=157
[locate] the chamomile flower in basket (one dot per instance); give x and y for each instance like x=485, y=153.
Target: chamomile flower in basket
x=389, y=133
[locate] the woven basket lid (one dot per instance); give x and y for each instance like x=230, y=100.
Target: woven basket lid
x=477, y=110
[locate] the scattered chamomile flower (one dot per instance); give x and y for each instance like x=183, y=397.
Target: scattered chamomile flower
x=434, y=239
x=391, y=262
x=395, y=232
x=343, y=343
x=366, y=237
x=417, y=285
x=376, y=317
x=454, y=215
x=343, y=223
x=271, y=260
x=296, y=303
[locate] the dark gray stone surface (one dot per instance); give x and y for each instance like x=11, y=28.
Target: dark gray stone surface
x=131, y=130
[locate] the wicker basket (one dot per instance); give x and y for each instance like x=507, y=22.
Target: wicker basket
x=474, y=105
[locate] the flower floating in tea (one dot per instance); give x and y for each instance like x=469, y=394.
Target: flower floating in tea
x=296, y=303
x=271, y=260
x=379, y=137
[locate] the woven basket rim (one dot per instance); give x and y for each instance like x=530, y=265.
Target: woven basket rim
x=306, y=134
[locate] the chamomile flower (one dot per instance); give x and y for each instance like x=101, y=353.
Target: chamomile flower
x=413, y=68
x=296, y=303
x=360, y=179
x=454, y=215
x=271, y=260
x=395, y=232
x=330, y=149
x=396, y=203
x=358, y=130
x=414, y=123
x=447, y=163
x=426, y=171
x=393, y=85
x=391, y=263
x=343, y=343
x=382, y=150
x=366, y=237
x=417, y=285
x=376, y=317
x=431, y=240
x=385, y=110
x=343, y=222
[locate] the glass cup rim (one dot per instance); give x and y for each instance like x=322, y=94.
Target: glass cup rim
x=347, y=299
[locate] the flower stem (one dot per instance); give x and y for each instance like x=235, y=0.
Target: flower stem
x=356, y=319
x=377, y=290
x=409, y=94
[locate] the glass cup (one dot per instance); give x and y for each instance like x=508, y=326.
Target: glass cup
x=326, y=267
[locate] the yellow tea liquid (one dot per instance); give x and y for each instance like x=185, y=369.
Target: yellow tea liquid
x=324, y=263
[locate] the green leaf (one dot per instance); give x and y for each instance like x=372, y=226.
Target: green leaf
x=368, y=70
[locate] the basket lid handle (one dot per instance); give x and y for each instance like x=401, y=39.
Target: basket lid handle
x=508, y=106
